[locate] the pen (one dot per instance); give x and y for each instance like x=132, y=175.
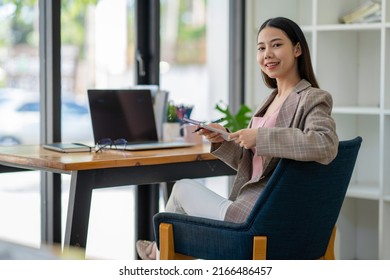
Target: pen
x=215, y=121
x=218, y=121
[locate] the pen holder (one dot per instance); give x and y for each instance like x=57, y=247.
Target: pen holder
x=171, y=131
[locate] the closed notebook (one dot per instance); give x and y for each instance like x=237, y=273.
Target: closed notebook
x=68, y=147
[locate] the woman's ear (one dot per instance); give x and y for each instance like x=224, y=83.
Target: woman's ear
x=297, y=49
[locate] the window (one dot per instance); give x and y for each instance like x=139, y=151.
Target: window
x=97, y=51
x=19, y=117
x=19, y=70
x=194, y=54
x=97, y=47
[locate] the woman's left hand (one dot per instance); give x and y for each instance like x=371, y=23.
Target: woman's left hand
x=246, y=138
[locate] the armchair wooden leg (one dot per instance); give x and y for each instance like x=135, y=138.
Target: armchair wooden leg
x=329, y=253
x=167, y=246
x=260, y=248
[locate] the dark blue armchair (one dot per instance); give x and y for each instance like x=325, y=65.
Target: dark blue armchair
x=294, y=218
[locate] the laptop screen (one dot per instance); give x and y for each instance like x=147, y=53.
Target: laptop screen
x=122, y=113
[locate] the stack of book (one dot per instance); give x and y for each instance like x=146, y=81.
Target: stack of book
x=369, y=11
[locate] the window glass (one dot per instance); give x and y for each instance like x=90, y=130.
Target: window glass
x=19, y=118
x=194, y=54
x=97, y=38
x=19, y=72
x=97, y=49
x=194, y=60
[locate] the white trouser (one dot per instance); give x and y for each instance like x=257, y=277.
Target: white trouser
x=192, y=198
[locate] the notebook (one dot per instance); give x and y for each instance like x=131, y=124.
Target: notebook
x=68, y=147
x=128, y=114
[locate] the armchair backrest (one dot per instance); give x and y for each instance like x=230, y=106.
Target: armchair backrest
x=301, y=203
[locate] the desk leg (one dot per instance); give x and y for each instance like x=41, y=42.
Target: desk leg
x=80, y=195
x=147, y=206
x=50, y=208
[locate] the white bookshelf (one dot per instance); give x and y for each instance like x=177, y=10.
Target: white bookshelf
x=352, y=62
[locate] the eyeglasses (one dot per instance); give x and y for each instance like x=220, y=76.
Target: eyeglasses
x=108, y=143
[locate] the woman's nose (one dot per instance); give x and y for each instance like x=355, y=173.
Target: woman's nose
x=267, y=54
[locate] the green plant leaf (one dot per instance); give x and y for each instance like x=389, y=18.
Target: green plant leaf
x=171, y=112
x=236, y=121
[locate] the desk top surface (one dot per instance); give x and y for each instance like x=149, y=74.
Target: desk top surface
x=35, y=157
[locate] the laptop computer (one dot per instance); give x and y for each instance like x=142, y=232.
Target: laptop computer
x=128, y=114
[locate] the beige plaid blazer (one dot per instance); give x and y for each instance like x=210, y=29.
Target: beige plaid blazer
x=304, y=131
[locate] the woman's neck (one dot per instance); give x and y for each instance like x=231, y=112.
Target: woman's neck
x=285, y=86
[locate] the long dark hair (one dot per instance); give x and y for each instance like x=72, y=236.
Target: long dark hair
x=295, y=34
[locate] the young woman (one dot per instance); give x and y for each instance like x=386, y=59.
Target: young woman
x=294, y=122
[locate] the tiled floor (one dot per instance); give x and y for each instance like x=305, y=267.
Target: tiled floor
x=111, y=228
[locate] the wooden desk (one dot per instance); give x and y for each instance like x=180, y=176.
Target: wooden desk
x=110, y=169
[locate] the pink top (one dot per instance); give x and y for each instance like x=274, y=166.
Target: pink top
x=258, y=161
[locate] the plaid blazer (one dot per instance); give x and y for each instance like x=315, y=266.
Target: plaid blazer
x=304, y=131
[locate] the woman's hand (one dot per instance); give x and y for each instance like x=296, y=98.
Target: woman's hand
x=246, y=138
x=211, y=136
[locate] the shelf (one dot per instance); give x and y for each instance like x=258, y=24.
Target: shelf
x=307, y=28
x=363, y=192
x=339, y=60
x=356, y=110
x=349, y=27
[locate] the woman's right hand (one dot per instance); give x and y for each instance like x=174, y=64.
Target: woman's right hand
x=211, y=136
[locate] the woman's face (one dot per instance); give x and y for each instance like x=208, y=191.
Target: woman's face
x=276, y=54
